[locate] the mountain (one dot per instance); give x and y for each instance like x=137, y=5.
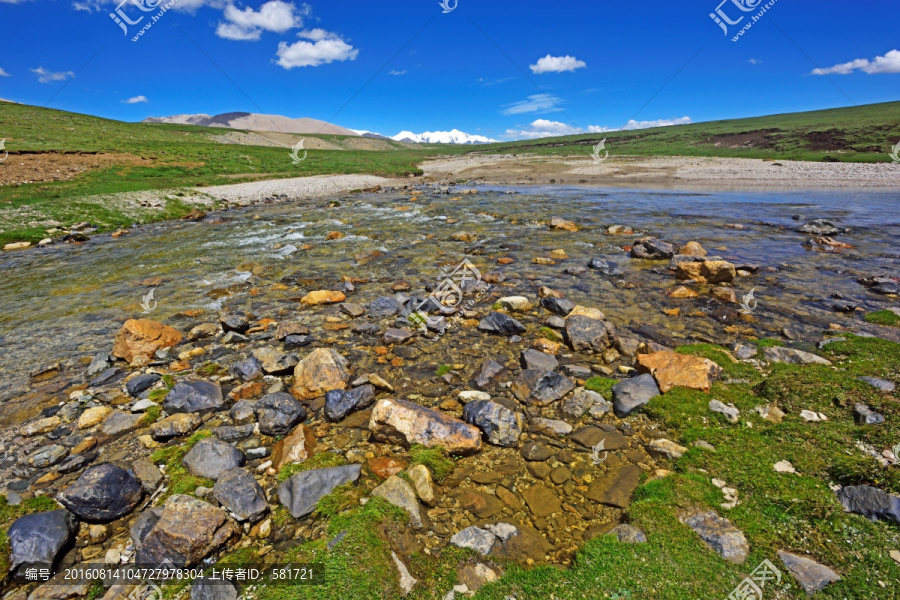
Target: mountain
x=370, y=134
x=441, y=137
x=255, y=122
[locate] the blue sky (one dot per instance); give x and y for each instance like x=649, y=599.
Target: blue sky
x=405, y=65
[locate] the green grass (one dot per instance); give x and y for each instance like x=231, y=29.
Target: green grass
x=601, y=385
x=434, y=458
x=883, y=317
x=180, y=481
x=151, y=416
x=443, y=370
x=317, y=461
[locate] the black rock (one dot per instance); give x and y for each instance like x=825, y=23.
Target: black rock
x=870, y=502
x=210, y=589
x=193, y=396
x=863, y=415
x=234, y=433
x=820, y=227
x=301, y=492
x=605, y=267
x=297, y=341
x=365, y=328
x=540, y=388
x=247, y=370
x=234, y=322
x=38, y=538
x=489, y=374
x=106, y=377
x=384, y=307
x=500, y=324
x=278, y=413
x=102, y=493
x=211, y=457
x=558, y=306
x=499, y=425
x=137, y=385
x=339, y=404
x=590, y=335
x=143, y=524
x=632, y=394
x=238, y=492
x=652, y=249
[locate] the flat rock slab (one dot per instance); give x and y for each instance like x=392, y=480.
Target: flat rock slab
x=720, y=535
x=120, y=422
x=301, y=492
x=405, y=423
x=671, y=370
x=590, y=436
x=238, y=491
x=211, y=457
x=880, y=384
x=537, y=360
x=193, y=396
x=811, y=576
x=541, y=500
x=791, y=356
x=870, y=502
x=102, y=493
x=482, y=505
x=614, y=488
x=540, y=388
x=187, y=531
x=38, y=538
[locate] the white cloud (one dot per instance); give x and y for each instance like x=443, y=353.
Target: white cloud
x=188, y=6
x=557, y=64
x=889, y=63
x=12, y=1
x=248, y=24
x=326, y=48
x=397, y=73
x=754, y=61
x=632, y=124
x=544, y=128
x=136, y=100
x=535, y=103
x=3, y=73
x=45, y=76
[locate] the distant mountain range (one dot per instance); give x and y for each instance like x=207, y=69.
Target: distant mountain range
x=280, y=124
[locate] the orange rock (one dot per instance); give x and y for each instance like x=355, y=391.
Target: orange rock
x=540, y=260
x=139, y=339
x=306, y=247
x=725, y=294
x=559, y=254
x=320, y=372
x=253, y=389
x=710, y=271
x=295, y=447
x=671, y=369
x=506, y=260
x=322, y=297
x=547, y=346
x=397, y=362
x=672, y=312
x=334, y=235
x=559, y=224
x=385, y=467
x=692, y=249
x=179, y=365
x=690, y=271
x=191, y=314
x=381, y=350
x=681, y=292
x=545, y=292
x=85, y=445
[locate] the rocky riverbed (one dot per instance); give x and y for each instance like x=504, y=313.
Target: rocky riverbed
x=480, y=359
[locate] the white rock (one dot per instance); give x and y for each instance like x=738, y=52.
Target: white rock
x=784, y=466
x=504, y=531
x=407, y=581
x=808, y=415
x=729, y=410
x=667, y=448
x=472, y=395
x=515, y=303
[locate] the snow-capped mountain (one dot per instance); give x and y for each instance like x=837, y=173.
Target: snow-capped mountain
x=441, y=137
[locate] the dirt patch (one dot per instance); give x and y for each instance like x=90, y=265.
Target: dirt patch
x=55, y=166
x=760, y=138
x=827, y=141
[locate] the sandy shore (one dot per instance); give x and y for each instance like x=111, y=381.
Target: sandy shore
x=318, y=186
x=666, y=172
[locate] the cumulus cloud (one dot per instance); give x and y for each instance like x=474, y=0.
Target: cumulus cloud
x=325, y=48
x=3, y=73
x=535, y=103
x=248, y=24
x=45, y=76
x=397, y=73
x=557, y=64
x=544, y=128
x=136, y=100
x=889, y=63
x=188, y=6
x=754, y=61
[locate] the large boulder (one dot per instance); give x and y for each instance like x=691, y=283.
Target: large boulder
x=278, y=413
x=211, y=457
x=320, y=372
x=671, y=369
x=589, y=335
x=38, y=538
x=301, y=492
x=187, y=531
x=139, y=340
x=339, y=404
x=870, y=502
x=102, y=493
x=632, y=394
x=500, y=425
x=239, y=492
x=540, y=388
x=405, y=423
x=193, y=396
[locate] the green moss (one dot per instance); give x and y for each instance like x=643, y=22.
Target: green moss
x=434, y=458
x=151, y=416
x=180, y=481
x=210, y=368
x=342, y=498
x=317, y=461
x=443, y=370
x=601, y=385
x=883, y=317
x=733, y=369
x=767, y=343
x=549, y=334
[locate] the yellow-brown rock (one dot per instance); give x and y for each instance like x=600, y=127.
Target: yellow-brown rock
x=672, y=370
x=322, y=297
x=692, y=249
x=140, y=339
x=295, y=447
x=681, y=292
x=559, y=224
x=320, y=372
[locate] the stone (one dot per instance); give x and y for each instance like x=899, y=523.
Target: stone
x=106, y=378
x=120, y=422
x=474, y=538
x=209, y=589
x=811, y=576
x=671, y=370
x=140, y=384
x=147, y=473
x=142, y=406
x=501, y=426
x=407, y=581
x=175, y=425
x=576, y=405
x=745, y=351
x=187, y=531
x=93, y=416
x=879, y=384
x=558, y=306
x=819, y=227
x=628, y=534
x=402, y=495
x=811, y=416
x=780, y=354
x=515, y=303
x=692, y=249
x=320, y=372
x=44, y=425
x=539, y=388
x=397, y=336
x=667, y=448
x=709, y=271
x=102, y=493
x=339, y=404
x=489, y=374
x=614, y=488
x=652, y=249
x=275, y=362
x=139, y=340
x=240, y=494
x=770, y=413
x=730, y=411
x=538, y=361
x=422, y=481
x=863, y=415
x=591, y=313
x=17, y=246
x=592, y=336
x=384, y=307
x=39, y=538
x=535, y=451
x=549, y=427
x=249, y=369
x=681, y=292
x=464, y=236
x=385, y=467
x=47, y=456
x=234, y=322
x=500, y=324
x=720, y=535
x=591, y=436
x=295, y=447
x=870, y=502
x=193, y=396
x=784, y=466
x=211, y=457
x=405, y=423
x=605, y=267
x=474, y=577
x=560, y=224
x=472, y=395
x=632, y=394
x=243, y=411
x=482, y=505
x=319, y=297
x=278, y=413
x=302, y=491
x=541, y=500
